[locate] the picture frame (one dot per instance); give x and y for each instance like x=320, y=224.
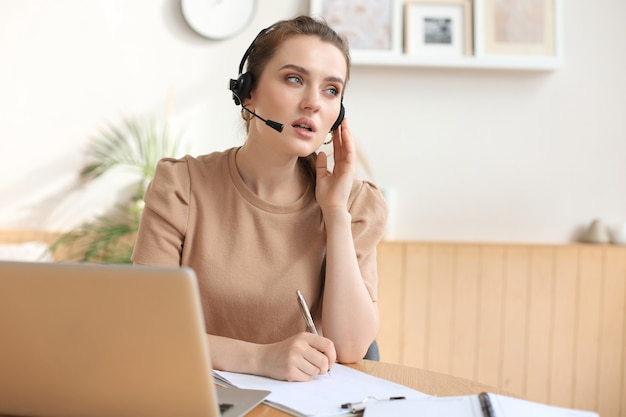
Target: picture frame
x=371, y=27
x=516, y=28
x=438, y=28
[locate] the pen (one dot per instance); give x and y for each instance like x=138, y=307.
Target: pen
x=306, y=313
x=360, y=406
x=485, y=405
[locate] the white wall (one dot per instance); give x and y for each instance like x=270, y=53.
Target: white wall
x=472, y=155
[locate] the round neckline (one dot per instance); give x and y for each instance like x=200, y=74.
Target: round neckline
x=258, y=202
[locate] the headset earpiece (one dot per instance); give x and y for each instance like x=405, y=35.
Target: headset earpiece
x=241, y=87
x=342, y=113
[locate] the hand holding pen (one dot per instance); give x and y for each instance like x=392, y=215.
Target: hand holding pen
x=306, y=314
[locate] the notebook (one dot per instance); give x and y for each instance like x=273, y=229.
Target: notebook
x=107, y=340
x=471, y=406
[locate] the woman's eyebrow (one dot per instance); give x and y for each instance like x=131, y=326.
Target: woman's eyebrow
x=306, y=72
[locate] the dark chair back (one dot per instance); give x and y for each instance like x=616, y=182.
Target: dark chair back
x=373, y=354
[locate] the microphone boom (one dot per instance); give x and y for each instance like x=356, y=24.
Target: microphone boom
x=274, y=125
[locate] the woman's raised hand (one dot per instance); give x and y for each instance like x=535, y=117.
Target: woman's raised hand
x=333, y=188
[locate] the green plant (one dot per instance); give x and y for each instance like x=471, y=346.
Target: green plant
x=136, y=146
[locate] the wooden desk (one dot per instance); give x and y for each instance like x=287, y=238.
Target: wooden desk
x=432, y=383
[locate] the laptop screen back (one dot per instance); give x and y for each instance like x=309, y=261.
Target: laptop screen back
x=102, y=340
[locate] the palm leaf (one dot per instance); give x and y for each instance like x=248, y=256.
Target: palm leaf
x=135, y=145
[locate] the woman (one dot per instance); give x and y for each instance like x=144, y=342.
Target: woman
x=261, y=221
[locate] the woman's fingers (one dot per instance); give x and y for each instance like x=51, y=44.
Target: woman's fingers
x=327, y=348
x=343, y=144
x=299, y=358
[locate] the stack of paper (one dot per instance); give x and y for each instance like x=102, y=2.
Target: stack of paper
x=325, y=394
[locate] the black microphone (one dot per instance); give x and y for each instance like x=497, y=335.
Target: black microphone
x=274, y=125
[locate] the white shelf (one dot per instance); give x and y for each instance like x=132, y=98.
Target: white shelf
x=480, y=59
x=470, y=62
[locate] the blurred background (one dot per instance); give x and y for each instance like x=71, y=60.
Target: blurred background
x=462, y=154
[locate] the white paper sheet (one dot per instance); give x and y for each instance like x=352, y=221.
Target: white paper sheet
x=326, y=393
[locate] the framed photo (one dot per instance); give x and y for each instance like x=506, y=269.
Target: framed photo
x=436, y=28
x=513, y=27
x=370, y=26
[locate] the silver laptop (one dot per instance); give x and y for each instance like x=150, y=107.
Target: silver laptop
x=107, y=340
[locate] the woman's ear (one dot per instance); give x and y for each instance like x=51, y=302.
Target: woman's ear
x=248, y=102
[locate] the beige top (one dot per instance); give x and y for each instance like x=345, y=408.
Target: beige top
x=250, y=256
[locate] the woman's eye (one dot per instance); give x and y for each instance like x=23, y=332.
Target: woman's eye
x=333, y=91
x=294, y=79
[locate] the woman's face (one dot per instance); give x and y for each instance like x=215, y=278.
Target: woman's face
x=300, y=87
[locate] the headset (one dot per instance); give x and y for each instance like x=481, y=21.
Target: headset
x=242, y=86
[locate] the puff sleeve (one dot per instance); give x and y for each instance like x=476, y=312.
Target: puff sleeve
x=164, y=220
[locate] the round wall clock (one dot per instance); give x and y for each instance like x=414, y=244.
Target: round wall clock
x=218, y=19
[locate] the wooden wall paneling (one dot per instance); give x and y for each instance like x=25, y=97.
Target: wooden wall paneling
x=65, y=253
x=440, y=308
x=491, y=303
x=563, y=331
x=590, y=283
x=515, y=312
x=622, y=391
x=416, y=302
x=22, y=236
x=391, y=287
x=544, y=322
x=465, y=312
x=622, y=386
x=540, y=317
x=611, y=388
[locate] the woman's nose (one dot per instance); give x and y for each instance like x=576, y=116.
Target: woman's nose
x=311, y=100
